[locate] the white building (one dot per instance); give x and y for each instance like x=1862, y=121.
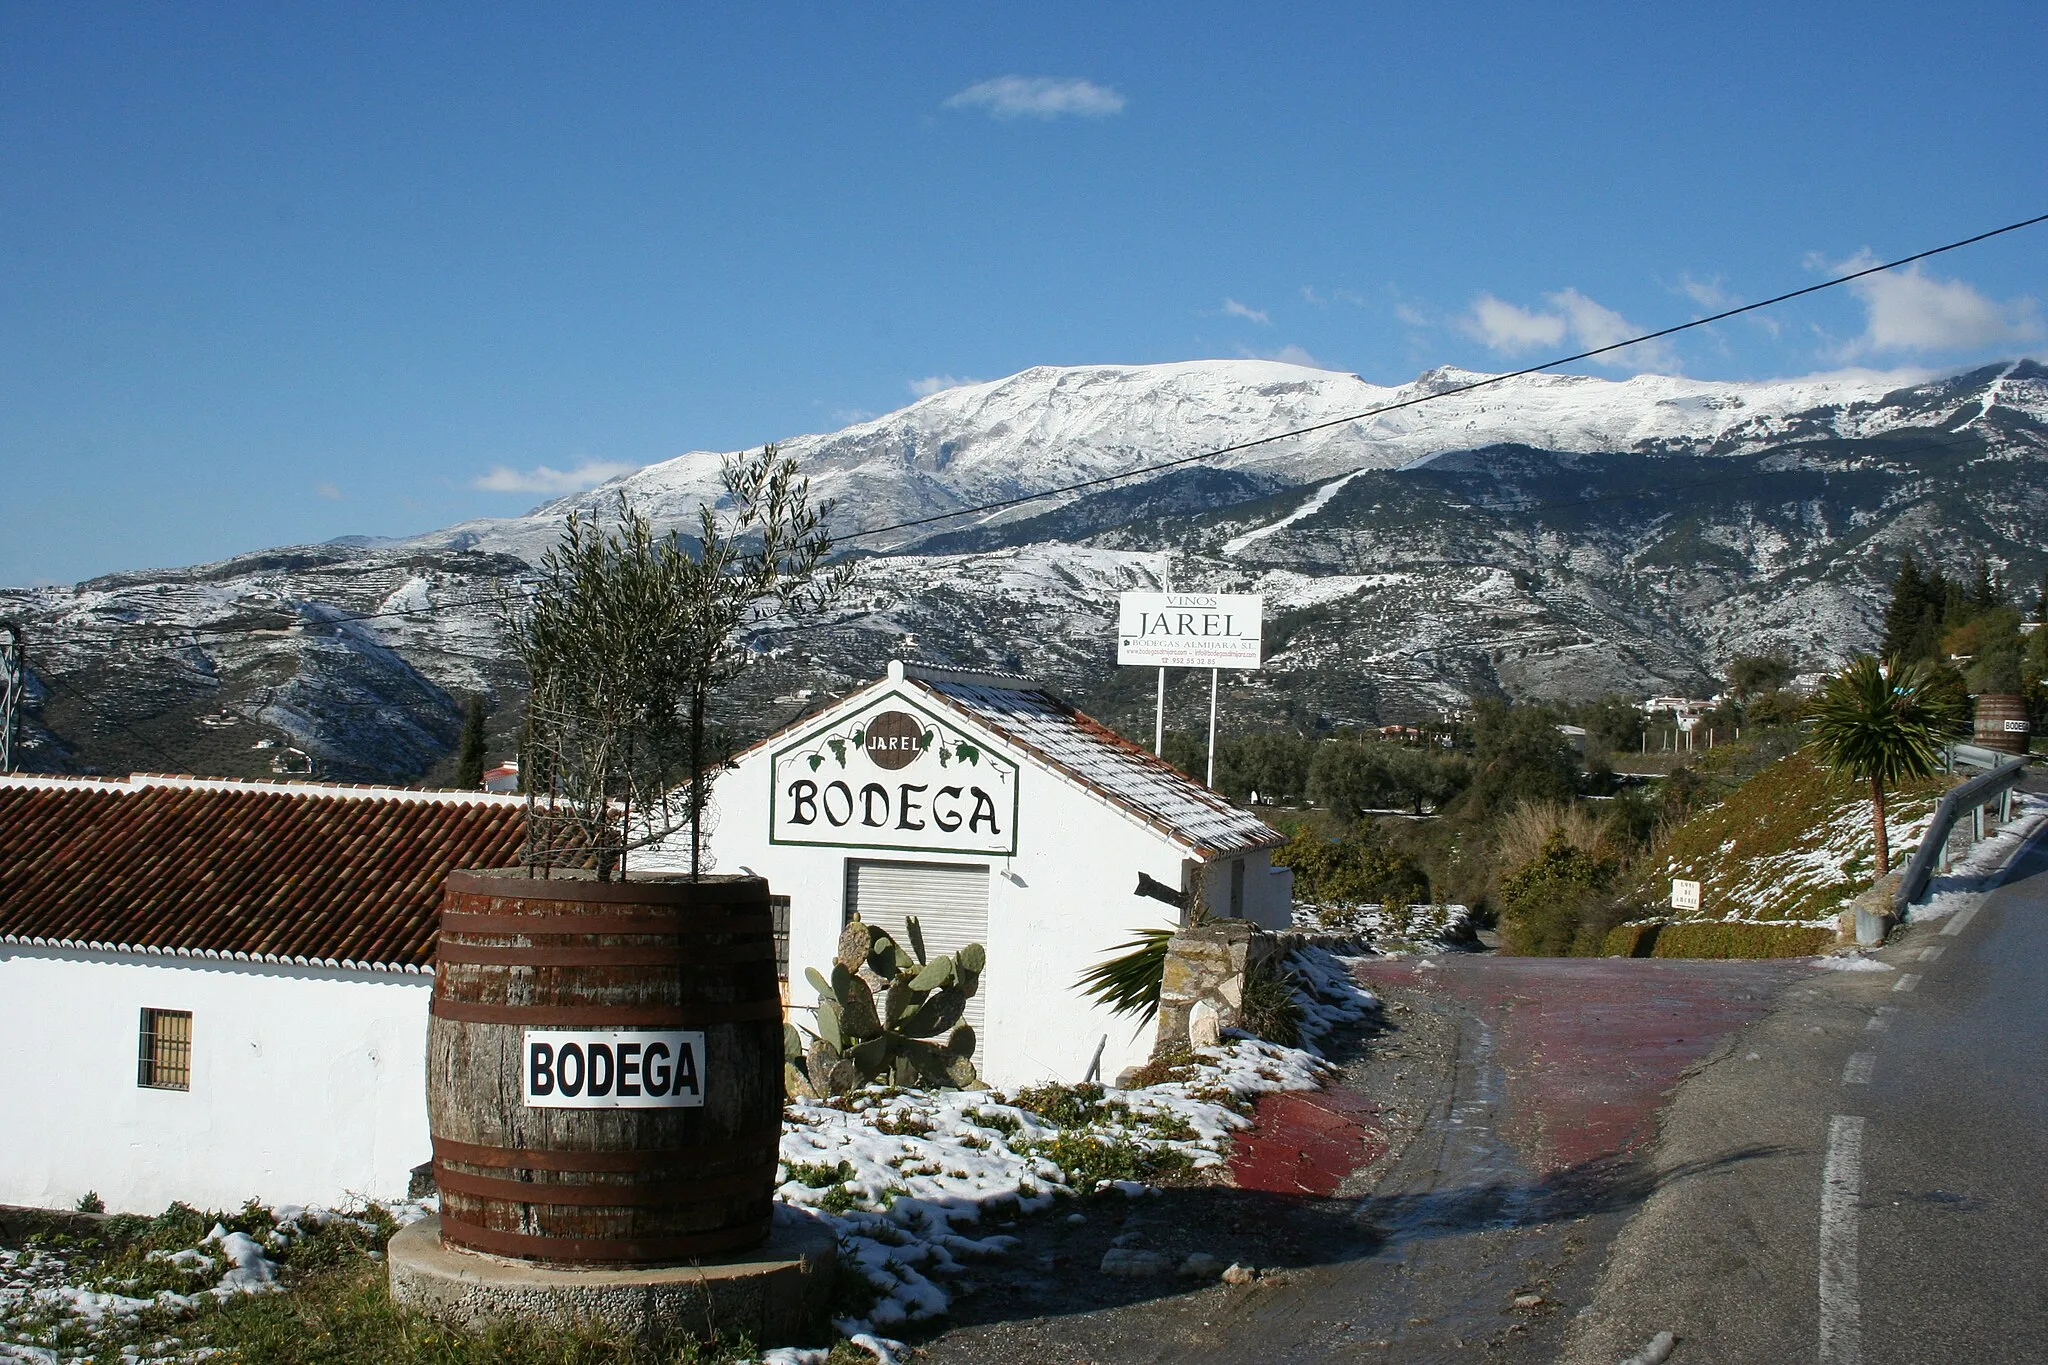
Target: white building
x=213, y=990
x=997, y=814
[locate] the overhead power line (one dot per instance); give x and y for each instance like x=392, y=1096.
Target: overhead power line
x=146, y=633
x=1434, y=396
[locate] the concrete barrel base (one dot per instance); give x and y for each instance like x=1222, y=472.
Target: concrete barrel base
x=776, y=1294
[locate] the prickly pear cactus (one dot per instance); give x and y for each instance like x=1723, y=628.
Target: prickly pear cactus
x=885, y=1014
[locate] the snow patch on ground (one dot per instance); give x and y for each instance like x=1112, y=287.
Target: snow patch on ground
x=1963, y=884
x=908, y=1178
x=1392, y=930
x=51, y=1308
x=1851, y=963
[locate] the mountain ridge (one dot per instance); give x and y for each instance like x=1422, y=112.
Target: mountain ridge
x=1408, y=567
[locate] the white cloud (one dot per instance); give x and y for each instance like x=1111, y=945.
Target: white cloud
x=1504, y=327
x=1908, y=310
x=543, y=479
x=938, y=383
x=1233, y=309
x=1041, y=97
x=1410, y=314
x=1590, y=325
x=328, y=491
x=1708, y=294
x=1309, y=295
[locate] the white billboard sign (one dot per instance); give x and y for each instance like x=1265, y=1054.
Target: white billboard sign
x=1684, y=895
x=1190, y=629
x=613, y=1069
x=896, y=775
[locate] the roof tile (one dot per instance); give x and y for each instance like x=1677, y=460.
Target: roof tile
x=261, y=869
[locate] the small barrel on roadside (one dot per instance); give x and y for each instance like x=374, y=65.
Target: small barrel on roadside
x=2002, y=722
x=604, y=1067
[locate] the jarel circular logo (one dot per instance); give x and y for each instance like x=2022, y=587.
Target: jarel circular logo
x=894, y=739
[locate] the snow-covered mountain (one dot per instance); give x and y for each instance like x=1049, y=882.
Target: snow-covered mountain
x=1545, y=536
x=1049, y=427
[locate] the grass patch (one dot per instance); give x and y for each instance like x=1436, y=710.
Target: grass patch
x=336, y=1308
x=817, y=1174
x=1792, y=843
x=1090, y=1158
x=1062, y=1106
x=1717, y=939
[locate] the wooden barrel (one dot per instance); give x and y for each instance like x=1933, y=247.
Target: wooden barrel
x=604, y=1067
x=2002, y=722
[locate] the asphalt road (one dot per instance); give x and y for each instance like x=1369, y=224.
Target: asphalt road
x=1890, y=1207
x=1513, y=1098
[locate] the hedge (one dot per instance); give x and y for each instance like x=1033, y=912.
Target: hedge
x=1717, y=938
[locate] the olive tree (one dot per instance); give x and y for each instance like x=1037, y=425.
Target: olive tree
x=628, y=636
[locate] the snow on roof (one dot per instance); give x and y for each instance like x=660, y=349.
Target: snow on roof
x=1034, y=720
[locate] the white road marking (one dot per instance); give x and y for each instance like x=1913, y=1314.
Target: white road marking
x=1932, y=951
x=1878, y=1024
x=1859, y=1069
x=1907, y=981
x=1960, y=920
x=1841, y=1184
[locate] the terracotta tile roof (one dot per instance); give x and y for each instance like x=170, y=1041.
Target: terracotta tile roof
x=1100, y=760
x=271, y=871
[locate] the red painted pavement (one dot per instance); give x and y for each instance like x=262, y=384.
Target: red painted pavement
x=1591, y=1048
x=1306, y=1142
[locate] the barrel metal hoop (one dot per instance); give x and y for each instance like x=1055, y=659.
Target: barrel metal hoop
x=666, y=1192
x=603, y=1163
x=634, y=955
x=590, y=1249
x=606, y=1016
x=571, y=890
x=689, y=922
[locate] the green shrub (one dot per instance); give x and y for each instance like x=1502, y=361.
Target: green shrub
x=1271, y=1011
x=1360, y=868
x=1545, y=902
x=1717, y=939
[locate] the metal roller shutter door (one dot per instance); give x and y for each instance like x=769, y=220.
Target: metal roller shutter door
x=949, y=901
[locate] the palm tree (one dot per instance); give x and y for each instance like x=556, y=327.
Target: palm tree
x=1880, y=724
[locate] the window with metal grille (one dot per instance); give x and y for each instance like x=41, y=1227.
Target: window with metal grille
x=163, y=1057
x=778, y=910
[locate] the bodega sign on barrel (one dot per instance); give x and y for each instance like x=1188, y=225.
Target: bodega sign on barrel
x=893, y=775
x=613, y=1069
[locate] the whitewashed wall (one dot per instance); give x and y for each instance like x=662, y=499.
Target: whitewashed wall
x=1059, y=905
x=308, y=1085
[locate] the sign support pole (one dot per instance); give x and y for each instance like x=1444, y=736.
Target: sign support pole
x=1159, y=718
x=1212, y=725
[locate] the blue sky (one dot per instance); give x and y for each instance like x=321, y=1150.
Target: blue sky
x=274, y=273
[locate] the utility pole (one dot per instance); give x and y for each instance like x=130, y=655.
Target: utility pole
x=13, y=690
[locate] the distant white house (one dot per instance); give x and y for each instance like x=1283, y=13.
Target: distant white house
x=992, y=812
x=503, y=779
x=214, y=991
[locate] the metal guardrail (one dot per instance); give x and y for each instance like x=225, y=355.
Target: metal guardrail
x=1972, y=797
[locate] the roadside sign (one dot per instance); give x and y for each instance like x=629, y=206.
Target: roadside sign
x=1684, y=895
x=1190, y=629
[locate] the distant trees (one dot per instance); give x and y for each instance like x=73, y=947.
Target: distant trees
x=1882, y=723
x=1752, y=675
x=469, y=751
x=1360, y=868
x=1518, y=756
x=1925, y=608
